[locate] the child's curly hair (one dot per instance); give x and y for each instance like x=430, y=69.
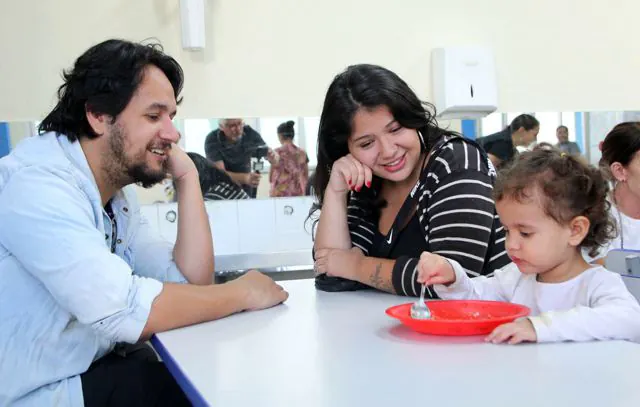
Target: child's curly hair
x=569, y=187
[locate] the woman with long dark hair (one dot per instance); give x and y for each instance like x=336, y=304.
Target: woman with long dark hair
x=502, y=146
x=391, y=184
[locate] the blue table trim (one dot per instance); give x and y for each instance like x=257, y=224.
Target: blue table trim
x=183, y=381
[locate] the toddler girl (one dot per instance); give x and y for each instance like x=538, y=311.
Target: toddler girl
x=551, y=206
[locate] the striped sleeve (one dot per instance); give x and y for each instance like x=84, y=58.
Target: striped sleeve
x=361, y=227
x=225, y=191
x=457, y=213
x=461, y=215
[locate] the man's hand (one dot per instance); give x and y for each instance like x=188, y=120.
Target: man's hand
x=261, y=291
x=179, y=163
x=252, y=179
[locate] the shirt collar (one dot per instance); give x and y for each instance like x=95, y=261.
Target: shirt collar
x=73, y=150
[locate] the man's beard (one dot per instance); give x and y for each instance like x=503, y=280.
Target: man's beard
x=123, y=170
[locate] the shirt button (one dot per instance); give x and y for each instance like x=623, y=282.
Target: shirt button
x=119, y=241
x=106, y=236
x=125, y=209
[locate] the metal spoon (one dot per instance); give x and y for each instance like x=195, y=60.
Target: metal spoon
x=419, y=309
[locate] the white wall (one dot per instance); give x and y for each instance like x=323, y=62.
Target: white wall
x=276, y=57
x=19, y=131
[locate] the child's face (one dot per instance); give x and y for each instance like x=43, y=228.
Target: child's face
x=535, y=242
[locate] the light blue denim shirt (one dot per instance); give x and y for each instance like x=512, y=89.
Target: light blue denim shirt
x=65, y=299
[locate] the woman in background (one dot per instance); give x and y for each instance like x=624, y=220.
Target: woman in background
x=288, y=177
x=620, y=160
x=502, y=146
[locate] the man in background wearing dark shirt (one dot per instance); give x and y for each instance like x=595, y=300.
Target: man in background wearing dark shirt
x=569, y=147
x=230, y=148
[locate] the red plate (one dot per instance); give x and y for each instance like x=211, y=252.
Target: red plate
x=460, y=317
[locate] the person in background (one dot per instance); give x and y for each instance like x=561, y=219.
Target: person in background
x=621, y=162
x=308, y=189
x=569, y=147
x=289, y=176
x=84, y=276
x=391, y=184
x=552, y=206
x=215, y=184
x=231, y=146
x=501, y=146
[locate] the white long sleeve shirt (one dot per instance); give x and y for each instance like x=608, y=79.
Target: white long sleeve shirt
x=595, y=305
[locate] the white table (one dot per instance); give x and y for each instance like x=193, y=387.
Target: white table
x=341, y=349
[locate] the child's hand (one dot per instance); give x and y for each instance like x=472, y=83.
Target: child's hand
x=514, y=332
x=434, y=269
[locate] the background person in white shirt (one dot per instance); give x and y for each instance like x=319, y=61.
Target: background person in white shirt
x=551, y=205
x=621, y=161
x=566, y=146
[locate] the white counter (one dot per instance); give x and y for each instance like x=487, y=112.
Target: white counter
x=340, y=349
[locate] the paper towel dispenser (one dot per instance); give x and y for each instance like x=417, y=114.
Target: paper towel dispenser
x=192, y=20
x=464, y=82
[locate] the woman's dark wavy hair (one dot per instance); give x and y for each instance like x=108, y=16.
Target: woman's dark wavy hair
x=209, y=174
x=620, y=145
x=286, y=130
x=569, y=188
x=525, y=121
x=103, y=81
x=367, y=86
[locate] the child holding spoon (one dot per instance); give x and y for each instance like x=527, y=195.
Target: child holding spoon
x=551, y=206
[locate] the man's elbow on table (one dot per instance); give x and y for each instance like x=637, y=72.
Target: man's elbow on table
x=124, y=316
x=198, y=272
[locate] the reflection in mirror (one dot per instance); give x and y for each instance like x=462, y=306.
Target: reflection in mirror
x=586, y=130
x=265, y=157
x=529, y=130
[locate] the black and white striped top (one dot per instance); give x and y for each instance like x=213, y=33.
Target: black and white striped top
x=455, y=209
x=224, y=190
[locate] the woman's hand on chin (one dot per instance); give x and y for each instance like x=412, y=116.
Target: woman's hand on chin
x=349, y=174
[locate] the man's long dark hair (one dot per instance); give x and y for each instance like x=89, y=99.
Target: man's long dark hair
x=102, y=81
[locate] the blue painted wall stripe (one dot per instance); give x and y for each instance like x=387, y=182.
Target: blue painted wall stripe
x=5, y=145
x=469, y=129
x=580, y=132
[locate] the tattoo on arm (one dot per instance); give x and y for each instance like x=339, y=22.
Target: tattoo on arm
x=381, y=282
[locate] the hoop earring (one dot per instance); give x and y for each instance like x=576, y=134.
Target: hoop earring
x=422, y=142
